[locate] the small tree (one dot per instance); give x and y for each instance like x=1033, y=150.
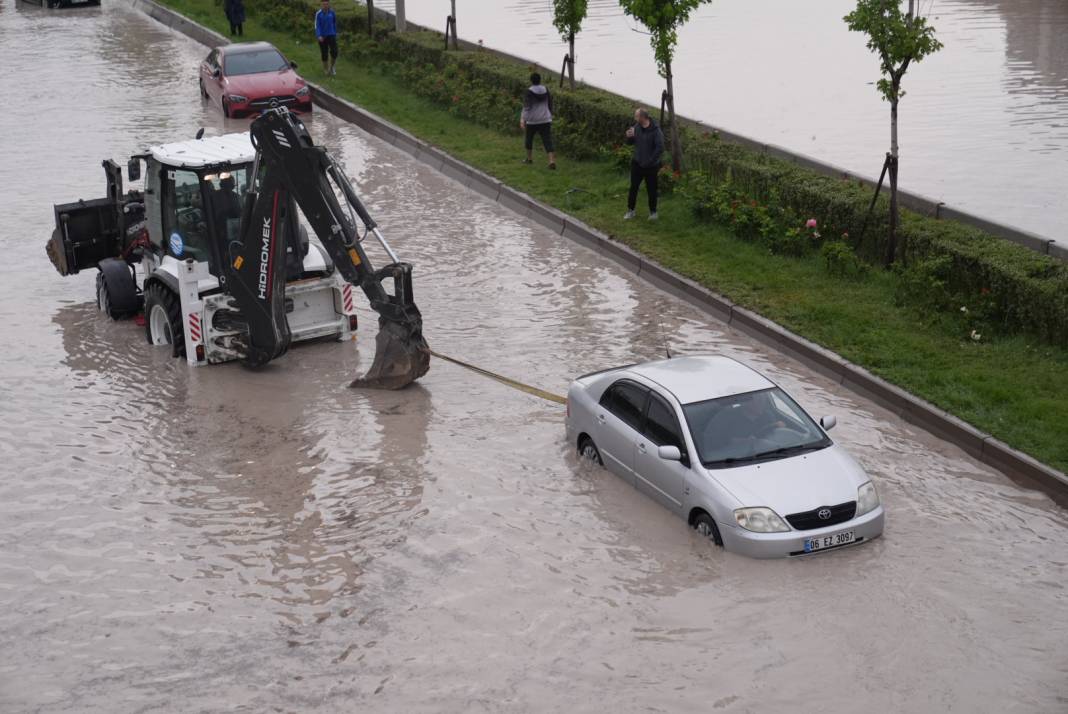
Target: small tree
x=899, y=38
x=663, y=18
x=567, y=17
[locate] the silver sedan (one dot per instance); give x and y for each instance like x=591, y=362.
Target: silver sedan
x=728, y=450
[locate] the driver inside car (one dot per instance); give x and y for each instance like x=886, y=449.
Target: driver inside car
x=745, y=420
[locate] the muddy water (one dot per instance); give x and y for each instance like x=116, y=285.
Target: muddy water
x=217, y=539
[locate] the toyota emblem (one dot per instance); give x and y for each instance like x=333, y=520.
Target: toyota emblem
x=824, y=514
x=274, y=102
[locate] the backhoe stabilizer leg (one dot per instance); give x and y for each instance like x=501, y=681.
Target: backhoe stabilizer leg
x=401, y=356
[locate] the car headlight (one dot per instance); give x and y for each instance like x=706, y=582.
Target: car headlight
x=867, y=498
x=760, y=520
x=303, y=91
x=238, y=99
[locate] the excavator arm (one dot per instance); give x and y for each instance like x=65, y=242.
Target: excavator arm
x=290, y=168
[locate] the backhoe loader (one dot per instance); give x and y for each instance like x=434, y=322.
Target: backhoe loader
x=214, y=253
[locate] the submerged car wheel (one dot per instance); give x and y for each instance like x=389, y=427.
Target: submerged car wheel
x=588, y=451
x=706, y=527
x=163, y=319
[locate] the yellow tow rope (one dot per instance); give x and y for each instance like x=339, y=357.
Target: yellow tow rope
x=548, y=396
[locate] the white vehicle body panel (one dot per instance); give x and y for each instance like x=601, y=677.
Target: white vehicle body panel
x=321, y=306
x=206, y=151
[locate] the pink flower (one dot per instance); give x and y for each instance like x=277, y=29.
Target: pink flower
x=810, y=223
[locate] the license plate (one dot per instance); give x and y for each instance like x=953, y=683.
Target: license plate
x=829, y=541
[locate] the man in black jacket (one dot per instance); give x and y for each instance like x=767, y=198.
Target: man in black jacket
x=648, y=143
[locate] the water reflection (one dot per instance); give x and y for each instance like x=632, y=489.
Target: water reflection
x=1036, y=33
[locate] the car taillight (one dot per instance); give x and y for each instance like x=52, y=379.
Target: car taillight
x=352, y=323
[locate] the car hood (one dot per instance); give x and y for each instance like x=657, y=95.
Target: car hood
x=799, y=483
x=265, y=84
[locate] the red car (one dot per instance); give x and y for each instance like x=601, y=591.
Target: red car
x=248, y=77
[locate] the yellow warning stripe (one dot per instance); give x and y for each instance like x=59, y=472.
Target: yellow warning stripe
x=548, y=396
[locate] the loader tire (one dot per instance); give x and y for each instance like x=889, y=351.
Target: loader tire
x=163, y=319
x=116, y=290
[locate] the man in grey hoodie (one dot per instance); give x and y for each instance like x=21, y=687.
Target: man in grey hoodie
x=537, y=118
x=648, y=143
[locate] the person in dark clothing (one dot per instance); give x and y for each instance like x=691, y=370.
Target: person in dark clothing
x=537, y=118
x=648, y=143
x=227, y=208
x=235, y=13
x=326, y=33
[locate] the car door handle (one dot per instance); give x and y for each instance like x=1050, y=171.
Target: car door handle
x=600, y=418
x=641, y=448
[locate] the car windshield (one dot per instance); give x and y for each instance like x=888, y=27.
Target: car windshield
x=751, y=427
x=254, y=62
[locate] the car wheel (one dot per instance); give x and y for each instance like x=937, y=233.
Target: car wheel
x=588, y=451
x=706, y=527
x=163, y=319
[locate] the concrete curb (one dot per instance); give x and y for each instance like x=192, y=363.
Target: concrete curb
x=978, y=444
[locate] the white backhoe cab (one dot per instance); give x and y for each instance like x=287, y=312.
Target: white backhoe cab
x=162, y=250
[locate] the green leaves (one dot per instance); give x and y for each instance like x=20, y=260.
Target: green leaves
x=568, y=16
x=662, y=18
x=896, y=37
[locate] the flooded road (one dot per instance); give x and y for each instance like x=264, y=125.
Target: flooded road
x=176, y=539
x=984, y=125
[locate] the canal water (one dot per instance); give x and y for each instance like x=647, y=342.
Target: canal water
x=984, y=125
x=176, y=539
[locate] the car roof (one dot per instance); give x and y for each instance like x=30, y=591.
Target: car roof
x=698, y=378
x=239, y=47
x=198, y=153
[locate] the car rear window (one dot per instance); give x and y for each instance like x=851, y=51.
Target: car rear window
x=254, y=62
x=627, y=401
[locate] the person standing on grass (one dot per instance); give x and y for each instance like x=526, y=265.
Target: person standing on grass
x=648, y=143
x=235, y=13
x=326, y=33
x=537, y=118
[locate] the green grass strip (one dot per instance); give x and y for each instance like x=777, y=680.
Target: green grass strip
x=1015, y=388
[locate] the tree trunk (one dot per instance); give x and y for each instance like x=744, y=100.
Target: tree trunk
x=455, y=41
x=891, y=243
x=371, y=18
x=402, y=22
x=676, y=144
x=571, y=63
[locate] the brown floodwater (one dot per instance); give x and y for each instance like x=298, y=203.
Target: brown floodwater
x=983, y=125
x=176, y=539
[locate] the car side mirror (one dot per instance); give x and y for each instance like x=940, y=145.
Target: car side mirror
x=293, y=65
x=669, y=453
x=216, y=73
x=828, y=422
x=133, y=169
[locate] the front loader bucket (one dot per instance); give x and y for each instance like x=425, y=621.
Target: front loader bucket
x=401, y=357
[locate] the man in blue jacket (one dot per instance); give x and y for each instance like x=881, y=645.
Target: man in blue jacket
x=648, y=143
x=326, y=33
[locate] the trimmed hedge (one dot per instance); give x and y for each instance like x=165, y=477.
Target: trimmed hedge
x=947, y=264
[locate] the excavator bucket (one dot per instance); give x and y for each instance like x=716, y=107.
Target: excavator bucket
x=401, y=354
x=401, y=357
